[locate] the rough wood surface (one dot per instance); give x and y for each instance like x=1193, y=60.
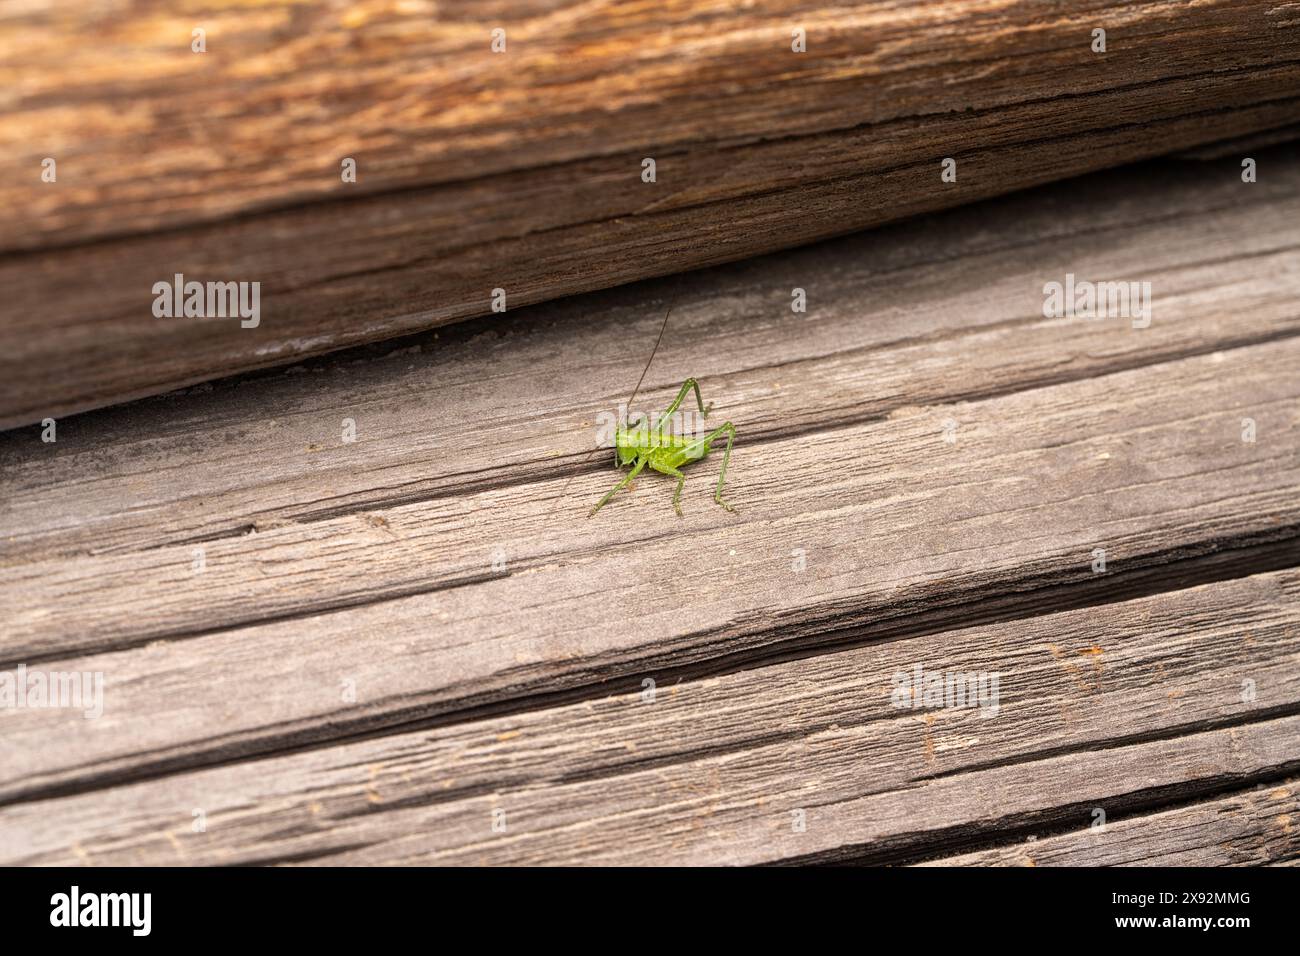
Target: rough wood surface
x=414, y=92
x=1256, y=827
x=351, y=678
x=1124, y=706
x=942, y=308
x=1243, y=146
x=1107, y=458
x=374, y=562
x=891, y=518
x=210, y=164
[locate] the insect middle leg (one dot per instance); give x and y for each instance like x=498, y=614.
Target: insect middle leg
x=700, y=448
x=627, y=480
x=681, y=480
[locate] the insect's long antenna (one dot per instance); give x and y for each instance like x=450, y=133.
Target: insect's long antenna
x=654, y=351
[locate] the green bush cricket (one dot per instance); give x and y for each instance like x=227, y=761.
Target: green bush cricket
x=648, y=444
x=667, y=453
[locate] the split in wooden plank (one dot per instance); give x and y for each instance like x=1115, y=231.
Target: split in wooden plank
x=1255, y=827
x=1125, y=706
x=888, y=517
x=1238, y=148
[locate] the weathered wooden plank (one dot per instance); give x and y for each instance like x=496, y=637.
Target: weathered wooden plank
x=890, y=518
x=80, y=333
x=1256, y=827
x=62, y=605
x=1120, y=706
x=446, y=539
x=942, y=308
x=1016, y=96
x=282, y=93
x=742, y=818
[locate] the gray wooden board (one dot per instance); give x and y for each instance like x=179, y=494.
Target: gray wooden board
x=374, y=561
x=1124, y=706
x=889, y=518
x=251, y=576
x=368, y=567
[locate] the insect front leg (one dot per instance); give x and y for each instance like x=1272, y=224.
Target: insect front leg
x=627, y=480
x=681, y=480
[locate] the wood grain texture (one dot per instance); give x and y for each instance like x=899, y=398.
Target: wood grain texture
x=1256, y=827
x=944, y=307
x=1242, y=146
x=892, y=520
x=1123, y=706
x=473, y=180
x=373, y=563
x=350, y=679
x=150, y=134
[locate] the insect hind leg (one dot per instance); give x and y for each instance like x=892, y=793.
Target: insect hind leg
x=700, y=448
x=730, y=430
x=687, y=385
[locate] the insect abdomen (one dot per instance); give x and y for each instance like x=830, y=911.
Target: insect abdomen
x=647, y=440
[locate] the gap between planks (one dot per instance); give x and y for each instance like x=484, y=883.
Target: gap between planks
x=256, y=452
x=222, y=459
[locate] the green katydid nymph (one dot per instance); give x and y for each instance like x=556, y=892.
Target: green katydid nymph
x=666, y=453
